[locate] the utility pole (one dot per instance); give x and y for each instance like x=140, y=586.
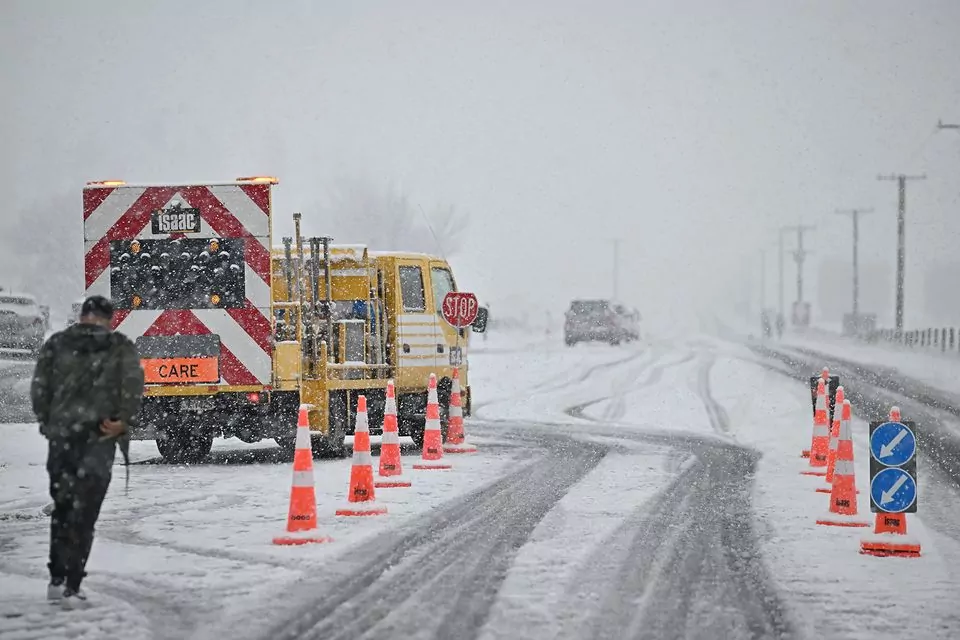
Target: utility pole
x=901, y=242
x=799, y=255
x=763, y=280
x=616, y=268
x=780, y=294
x=855, y=216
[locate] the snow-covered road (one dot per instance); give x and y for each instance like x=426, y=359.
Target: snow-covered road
x=649, y=491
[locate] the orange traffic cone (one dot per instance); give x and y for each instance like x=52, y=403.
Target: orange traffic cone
x=834, y=438
x=820, y=446
x=890, y=529
x=302, y=517
x=843, y=493
x=825, y=376
x=455, y=435
x=432, y=456
x=361, y=474
x=391, y=466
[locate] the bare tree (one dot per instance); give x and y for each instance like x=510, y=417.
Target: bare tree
x=358, y=211
x=43, y=250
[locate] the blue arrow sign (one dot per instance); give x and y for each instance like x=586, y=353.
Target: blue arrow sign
x=893, y=444
x=893, y=490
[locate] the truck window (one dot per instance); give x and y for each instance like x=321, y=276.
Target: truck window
x=442, y=284
x=411, y=289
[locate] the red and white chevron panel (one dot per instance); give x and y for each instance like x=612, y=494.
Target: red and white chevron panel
x=227, y=211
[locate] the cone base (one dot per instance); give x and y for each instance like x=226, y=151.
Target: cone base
x=842, y=520
x=432, y=466
x=362, y=509
x=882, y=545
x=459, y=448
x=819, y=474
x=829, y=490
x=393, y=482
x=805, y=453
x=307, y=537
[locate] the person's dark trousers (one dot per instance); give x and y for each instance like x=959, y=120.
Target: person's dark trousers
x=80, y=471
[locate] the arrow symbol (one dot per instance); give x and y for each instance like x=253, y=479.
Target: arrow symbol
x=887, y=496
x=887, y=449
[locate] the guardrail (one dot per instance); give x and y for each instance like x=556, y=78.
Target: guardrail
x=936, y=339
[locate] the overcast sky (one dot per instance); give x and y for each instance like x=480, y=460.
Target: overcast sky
x=688, y=130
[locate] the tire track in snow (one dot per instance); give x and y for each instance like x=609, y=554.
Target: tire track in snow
x=439, y=577
x=563, y=381
x=624, y=387
x=687, y=564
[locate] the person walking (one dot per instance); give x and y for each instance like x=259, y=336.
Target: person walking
x=86, y=392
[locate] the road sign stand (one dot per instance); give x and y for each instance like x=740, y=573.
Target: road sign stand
x=893, y=489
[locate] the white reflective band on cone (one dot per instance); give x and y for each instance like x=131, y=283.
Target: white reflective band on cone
x=391, y=406
x=842, y=468
x=362, y=459
x=845, y=430
x=303, y=437
x=362, y=423
x=432, y=425
x=456, y=412
x=821, y=431
x=389, y=437
x=303, y=478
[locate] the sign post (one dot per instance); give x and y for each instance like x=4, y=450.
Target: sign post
x=459, y=309
x=893, y=467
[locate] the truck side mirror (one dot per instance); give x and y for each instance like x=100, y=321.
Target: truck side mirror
x=480, y=322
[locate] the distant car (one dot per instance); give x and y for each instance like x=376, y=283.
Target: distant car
x=22, y=323
x=600, y=321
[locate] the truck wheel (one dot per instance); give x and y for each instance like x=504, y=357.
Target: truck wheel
x=178, y=445
x=331, y=445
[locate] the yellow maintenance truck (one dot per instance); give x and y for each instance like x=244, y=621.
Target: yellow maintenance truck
x=235, y=333
x=348, y=319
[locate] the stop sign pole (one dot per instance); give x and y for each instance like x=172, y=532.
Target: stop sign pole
x=459, y=309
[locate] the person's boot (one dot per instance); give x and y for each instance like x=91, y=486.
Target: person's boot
x=55, y=590
x=74, y=599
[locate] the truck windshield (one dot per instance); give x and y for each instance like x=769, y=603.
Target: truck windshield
x=185, y=273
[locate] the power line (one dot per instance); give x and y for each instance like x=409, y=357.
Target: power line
x=901, y=242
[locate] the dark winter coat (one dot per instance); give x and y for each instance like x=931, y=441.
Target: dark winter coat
x=85, y=374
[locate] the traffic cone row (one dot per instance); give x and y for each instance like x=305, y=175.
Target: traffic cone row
x=835, y=452
x=361, y=494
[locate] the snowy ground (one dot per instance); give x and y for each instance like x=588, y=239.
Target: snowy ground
x=648, y=491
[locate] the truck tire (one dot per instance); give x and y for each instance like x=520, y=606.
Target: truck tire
x=417, y=423
x=178, y=445
x=331, y=445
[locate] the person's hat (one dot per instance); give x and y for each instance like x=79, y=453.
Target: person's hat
x=97, y=306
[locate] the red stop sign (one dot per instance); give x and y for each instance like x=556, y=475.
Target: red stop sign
x=459, y=308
